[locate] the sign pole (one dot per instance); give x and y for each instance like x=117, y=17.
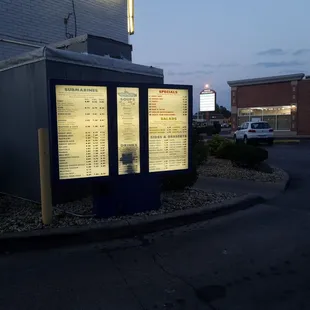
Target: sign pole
x=45, y=180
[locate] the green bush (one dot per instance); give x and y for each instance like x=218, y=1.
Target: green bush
x=180, y=181
x=199, y=149
x=200, y=153
x=243, y=155
x=208, y=130
x=217, y=128
x=221, y=151
x=196, y=137
x=217, y=142
x=225, y=150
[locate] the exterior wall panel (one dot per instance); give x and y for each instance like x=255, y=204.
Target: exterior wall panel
x=303, y=108
x=264, y=95
x=24, y=109
x=41, y=22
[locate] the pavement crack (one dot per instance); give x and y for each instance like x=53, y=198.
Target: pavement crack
x=176, y=276
x=125, y=281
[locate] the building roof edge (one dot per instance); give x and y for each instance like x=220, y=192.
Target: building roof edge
x=267, y=80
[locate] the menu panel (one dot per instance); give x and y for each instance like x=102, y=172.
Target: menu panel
x=82, y=125
x=168, y=129
x=128, y=130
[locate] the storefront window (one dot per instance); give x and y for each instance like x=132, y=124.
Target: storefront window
x=283, y=122
x=279, y=117
x=257, y=112
x=244, y=112
x=286, y=110
x=271, y=119
x=271, y=111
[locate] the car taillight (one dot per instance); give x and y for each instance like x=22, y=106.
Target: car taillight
x=252, y=130
x=270, y=130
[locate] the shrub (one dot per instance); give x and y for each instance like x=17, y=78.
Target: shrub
x=208, y=130
x=200, y=153
x=221, y=151
x=215, y=143
x=243, y=155
x=196, y=137
x=180, y=181
x=225, y=150
x=217, y=128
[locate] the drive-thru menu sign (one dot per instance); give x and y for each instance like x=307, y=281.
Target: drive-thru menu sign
x=82, y=128
x=168, y=129
x=104, y=130
x=128, y=130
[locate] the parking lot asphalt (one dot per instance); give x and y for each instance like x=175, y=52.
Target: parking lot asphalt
x=255, y=259
x=295, y=159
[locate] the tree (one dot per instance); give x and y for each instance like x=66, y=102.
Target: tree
x=226, y=113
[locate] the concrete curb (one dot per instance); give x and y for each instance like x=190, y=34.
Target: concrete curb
x=284, y=184
x=277, y=140
x=287, y=181
x=286, y=141
x=59, y=237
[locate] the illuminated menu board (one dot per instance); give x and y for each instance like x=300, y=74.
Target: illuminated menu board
x=82, y=125
x=128, y=130
x=168, y=129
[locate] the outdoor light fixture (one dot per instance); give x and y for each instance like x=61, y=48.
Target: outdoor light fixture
x=207, y=86
x=130, y=17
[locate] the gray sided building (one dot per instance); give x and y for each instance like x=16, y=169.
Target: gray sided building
x=29, y=24
x=85, y=40
x=24, y=106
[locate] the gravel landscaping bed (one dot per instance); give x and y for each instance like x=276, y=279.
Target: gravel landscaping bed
x=18, y=215
x=222, y=168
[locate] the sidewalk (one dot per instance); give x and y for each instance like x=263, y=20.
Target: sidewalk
x=263, y=189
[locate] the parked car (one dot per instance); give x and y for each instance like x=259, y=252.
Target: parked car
x=254, y=132
x=225, y=125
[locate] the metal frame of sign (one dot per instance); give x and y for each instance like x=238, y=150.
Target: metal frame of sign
x=112, y=130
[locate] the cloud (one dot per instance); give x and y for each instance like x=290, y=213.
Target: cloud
x=278, y=64
x=167, y=64
x=187, y=73
x=272, y=52
x=229, y=65
x=301, y=51
x=179, y=81
x=221, y=65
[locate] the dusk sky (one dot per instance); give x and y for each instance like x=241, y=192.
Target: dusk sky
x=201, y=41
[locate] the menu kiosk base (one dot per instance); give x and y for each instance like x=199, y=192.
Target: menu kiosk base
x=104, y=202
x=128, y=195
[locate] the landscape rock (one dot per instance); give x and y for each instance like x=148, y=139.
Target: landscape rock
x=223, y=168
x=22, y=215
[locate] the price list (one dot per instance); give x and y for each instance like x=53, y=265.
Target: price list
x=128, y=130
x=168, y=129
x=82, y=125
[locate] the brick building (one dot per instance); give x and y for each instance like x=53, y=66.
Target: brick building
x=28, y=24
x=282, y=101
